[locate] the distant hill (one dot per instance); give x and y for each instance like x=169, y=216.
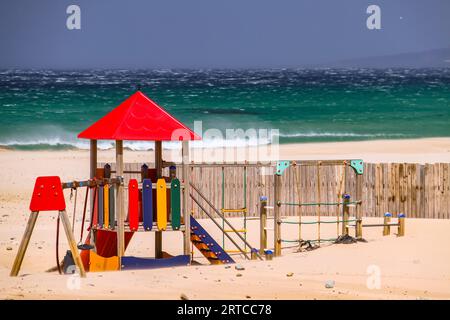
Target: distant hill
x=439, y=58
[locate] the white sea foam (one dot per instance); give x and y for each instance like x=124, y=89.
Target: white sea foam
x=60, y=143
x=65, y=141
x=312, y=134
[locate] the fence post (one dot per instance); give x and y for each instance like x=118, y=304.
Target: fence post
x=401, y=225
x=387, y=220
x=358, y=228
x=345, y=214
x=277, y=221
x=262, y=224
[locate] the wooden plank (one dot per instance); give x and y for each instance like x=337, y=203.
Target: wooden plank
x=24, y=244
x=71, y=241
x=436, y=190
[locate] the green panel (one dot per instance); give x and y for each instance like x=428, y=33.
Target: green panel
x=357, y=165
x=175, y=207
x=281, y=166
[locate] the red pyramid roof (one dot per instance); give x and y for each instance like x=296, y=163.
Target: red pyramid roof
x=138, y=118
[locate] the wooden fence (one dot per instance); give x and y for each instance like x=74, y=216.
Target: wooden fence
x=419, y=191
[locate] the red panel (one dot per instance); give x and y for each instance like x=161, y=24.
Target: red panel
x=138, y=118
x=133, y=204
x=106, y=245
x=47, y=195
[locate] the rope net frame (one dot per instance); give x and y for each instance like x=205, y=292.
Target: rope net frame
x=299, y=203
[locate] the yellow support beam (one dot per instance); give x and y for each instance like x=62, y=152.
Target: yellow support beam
x=233, y=210
x=239, y=230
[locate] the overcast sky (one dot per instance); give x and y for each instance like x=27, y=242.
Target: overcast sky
x=214, y=33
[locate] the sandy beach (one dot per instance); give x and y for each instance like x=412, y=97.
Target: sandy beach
x=416, y=266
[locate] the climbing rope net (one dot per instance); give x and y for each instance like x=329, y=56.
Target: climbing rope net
x=318, y=204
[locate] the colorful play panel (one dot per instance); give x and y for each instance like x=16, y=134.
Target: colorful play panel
x=175, y=204
x=147, y=204
x=161, y=204
x=133, y=204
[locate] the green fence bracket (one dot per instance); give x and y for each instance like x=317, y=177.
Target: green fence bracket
x=281, y=166
x=357, y=165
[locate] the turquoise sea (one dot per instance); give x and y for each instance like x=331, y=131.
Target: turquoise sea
x=46, y=109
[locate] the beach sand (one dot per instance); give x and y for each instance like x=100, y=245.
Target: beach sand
x=416, y=266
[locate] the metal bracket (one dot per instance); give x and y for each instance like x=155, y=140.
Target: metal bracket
x=281, y=166
x=357, y=165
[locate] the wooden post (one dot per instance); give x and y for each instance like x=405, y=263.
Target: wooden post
x=158, y=167
x=92, y=168
x=387, y=220
x=71, y=241
x=24, y=244
x=345, y=214
x=358, y=228
x=262, y=224
x=358, y=214
x=186, y=191
x=277, y=220
x=401, y=225
x=120, y=200
x=93, y=158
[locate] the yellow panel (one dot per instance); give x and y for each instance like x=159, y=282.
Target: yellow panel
x=98, y=263
x=106, y=207
x=161, y=204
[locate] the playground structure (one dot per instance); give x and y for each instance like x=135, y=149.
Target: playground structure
x=159, y=204
x=111, y=229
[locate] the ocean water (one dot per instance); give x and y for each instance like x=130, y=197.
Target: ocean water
x=47, y=109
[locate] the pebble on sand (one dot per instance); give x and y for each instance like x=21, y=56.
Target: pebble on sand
x=329, y=284
x=9, y=248
x=183, y=297
x=289, y=274
x=239, y=267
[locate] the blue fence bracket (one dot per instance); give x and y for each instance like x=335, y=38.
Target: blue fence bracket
x=357, y=165
x=281, y=166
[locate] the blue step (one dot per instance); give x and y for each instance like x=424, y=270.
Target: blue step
x=199, y=231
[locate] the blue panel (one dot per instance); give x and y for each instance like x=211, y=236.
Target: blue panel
x=147, y=204
x=198, y=230
x=135, y=263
